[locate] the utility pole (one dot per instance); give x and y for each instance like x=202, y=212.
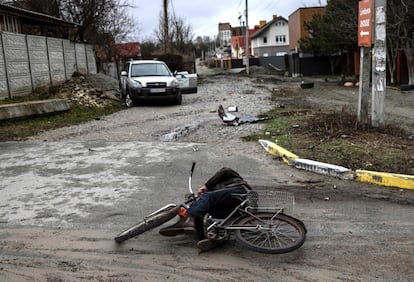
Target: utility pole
x=246, y=42
x=379, y=63
x=365, y=44
x=166, y=26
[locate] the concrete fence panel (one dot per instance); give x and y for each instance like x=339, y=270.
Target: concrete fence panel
x=39, y=61
x=56, y=60
x=70, y=58
x=90, y=57
x=81, y=58
x=4, y=89
x=28, y=62
x=17, y=64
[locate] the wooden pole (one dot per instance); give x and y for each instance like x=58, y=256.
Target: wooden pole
x=364, y=76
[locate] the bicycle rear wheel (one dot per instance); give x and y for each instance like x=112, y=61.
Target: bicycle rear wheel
x=270, y=233
x=145, y=225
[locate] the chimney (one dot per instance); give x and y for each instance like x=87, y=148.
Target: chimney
x=262, y=24
x=274, y=17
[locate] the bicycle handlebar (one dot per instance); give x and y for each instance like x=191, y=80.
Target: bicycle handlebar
x=190, y=178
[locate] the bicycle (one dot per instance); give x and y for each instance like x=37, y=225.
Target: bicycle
x=257, y=222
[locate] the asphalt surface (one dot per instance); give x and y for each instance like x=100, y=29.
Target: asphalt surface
x=64, y=195
x=64, y=183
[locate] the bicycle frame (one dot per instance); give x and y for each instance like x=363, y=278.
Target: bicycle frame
x=226, y=224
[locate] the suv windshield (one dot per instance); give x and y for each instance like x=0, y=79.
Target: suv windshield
x=149, y=70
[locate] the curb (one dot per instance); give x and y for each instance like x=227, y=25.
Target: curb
x=276, y=150
x=26, y=109
x=372, y=177
x=385, y=179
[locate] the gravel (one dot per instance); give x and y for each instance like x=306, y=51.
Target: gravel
x=196, y=120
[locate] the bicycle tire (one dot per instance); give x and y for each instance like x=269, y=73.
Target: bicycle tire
x=286, y=234
x=145, y=225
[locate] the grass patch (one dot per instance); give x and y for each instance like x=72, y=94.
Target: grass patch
x=17, y=130
x=338, y=138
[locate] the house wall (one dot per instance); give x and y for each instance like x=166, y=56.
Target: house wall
x=272, y=47
x=28, y=62
x=224, y=34
x=271, y=51
x=297, y=21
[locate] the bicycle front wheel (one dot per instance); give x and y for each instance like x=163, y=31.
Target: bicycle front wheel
x=270, y=233
x=145, y=225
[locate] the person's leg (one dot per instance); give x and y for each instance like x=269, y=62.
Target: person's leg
x=211, y=200
x=208, y=202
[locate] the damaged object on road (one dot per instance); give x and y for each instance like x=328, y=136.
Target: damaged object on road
x=233, y=120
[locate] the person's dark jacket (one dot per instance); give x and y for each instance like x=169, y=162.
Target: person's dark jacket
x=225, y=178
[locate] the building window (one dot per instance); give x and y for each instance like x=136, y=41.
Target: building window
x=9, y=23
x=280, y=39
x=265, y=40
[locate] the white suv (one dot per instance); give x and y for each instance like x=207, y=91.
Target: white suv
x=148, y=79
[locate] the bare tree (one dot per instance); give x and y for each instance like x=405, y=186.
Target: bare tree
x=179, y=36
x=394, y=26
x=122, y=26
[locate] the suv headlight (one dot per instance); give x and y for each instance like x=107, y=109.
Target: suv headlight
x=174, y=83
x=136, y=84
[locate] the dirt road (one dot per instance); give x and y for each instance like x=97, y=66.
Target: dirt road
x=356, y=232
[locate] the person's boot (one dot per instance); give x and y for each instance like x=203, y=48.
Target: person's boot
x=207, y=245
x=185, y=225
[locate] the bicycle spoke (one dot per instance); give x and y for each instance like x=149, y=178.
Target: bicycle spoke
x=269, y=233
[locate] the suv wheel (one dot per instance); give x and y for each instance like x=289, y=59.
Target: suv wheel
x=128, y=101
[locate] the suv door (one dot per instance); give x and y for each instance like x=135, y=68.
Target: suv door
x=123, y=79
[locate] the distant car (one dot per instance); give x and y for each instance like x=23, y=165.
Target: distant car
x=147, y=79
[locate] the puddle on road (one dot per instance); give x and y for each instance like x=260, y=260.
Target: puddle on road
x=53, y=182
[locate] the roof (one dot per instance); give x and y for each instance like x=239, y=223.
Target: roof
x=308, y=8
x=23, y=13
x=267, y=26
x=238, y=41
x=147, y=62
x=128, y=50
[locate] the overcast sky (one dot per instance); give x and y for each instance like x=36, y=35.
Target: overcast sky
x=205, y=15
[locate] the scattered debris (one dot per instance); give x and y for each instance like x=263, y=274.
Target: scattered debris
x=306, y=85
x=180, y=132
x=78, y=91
x=232, y=109
x=231, y=119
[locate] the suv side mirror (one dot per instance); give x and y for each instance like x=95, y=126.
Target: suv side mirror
x=124, y=73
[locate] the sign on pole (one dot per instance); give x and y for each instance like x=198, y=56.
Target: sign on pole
x=365, y=23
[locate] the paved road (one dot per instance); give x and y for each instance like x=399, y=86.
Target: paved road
x=66, y=200
x=63, y=183
x=63, y=201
